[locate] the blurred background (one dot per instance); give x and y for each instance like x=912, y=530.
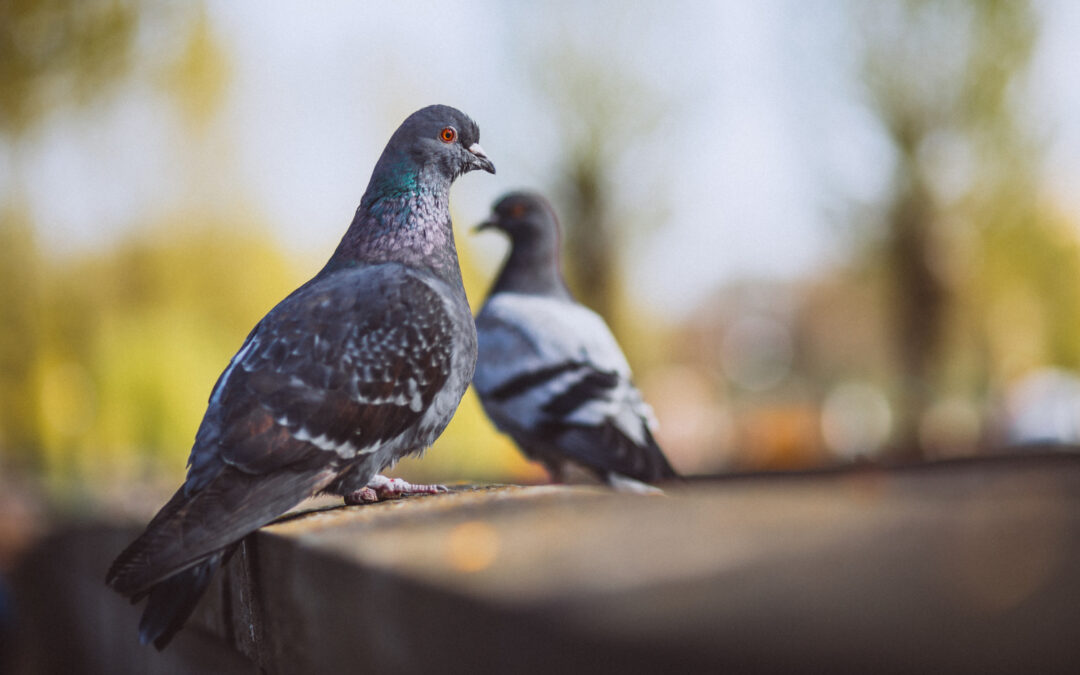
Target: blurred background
x=824, y=232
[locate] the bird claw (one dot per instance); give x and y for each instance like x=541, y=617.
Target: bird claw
x=380, y=487
x=364, y=495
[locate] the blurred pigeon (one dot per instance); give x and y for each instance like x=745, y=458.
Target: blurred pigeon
x=360, y=366
x=550, y=373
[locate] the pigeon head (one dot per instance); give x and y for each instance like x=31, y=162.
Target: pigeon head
x=404, y=215
x=526, y=217
x=533, y=264
x=437, y=142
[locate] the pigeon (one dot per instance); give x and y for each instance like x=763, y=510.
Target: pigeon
x=550, y=373
x=357, y=368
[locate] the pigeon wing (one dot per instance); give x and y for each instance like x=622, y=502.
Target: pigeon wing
x=552, y=376
x=342, y=365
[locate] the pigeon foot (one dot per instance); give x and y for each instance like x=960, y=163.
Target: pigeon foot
x=380, y=487
x=364, y=495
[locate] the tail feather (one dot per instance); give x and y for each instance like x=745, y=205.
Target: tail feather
x=190, y=529
x=660, y=468
x=172, y=601
x=134, y=559
x=608, y=449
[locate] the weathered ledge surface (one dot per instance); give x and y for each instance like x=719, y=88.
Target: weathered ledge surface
x=964, y=567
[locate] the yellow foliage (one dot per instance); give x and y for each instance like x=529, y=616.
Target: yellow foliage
x=130, y=344
x=199, y=78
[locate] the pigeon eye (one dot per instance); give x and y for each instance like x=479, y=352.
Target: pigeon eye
x=517, y=211
x=448, y=134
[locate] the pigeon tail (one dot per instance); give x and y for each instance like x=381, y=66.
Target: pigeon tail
x=607, y=450
x=126, y=574
x=661, y=469
x=173, y=600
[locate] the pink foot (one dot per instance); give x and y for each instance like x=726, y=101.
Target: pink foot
x=364, y=495
x=380, y=487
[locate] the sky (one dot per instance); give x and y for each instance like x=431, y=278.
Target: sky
x=763, y=135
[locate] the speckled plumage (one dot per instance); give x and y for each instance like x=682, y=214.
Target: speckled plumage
x=360, y=366
x=550, y=374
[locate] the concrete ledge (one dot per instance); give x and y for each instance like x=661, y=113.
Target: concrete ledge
x=969, y=567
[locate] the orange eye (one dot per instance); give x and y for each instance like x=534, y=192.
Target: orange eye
x=448, y=134
x=517, y=210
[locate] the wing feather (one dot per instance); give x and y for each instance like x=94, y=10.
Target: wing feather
x=552, y=376
x=345, y=363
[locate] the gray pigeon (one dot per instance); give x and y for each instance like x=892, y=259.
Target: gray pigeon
x=359, y=367
x=550, y=374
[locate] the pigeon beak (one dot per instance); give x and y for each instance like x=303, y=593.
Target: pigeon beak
x=480, y=160
x=485, y=225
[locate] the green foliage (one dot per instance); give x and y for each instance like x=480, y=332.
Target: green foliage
x=1028, y=293
x=60, y=52
x=20, y=334
x=128, y=345
x=198, y=78
x=606, y=117
x=982, y=279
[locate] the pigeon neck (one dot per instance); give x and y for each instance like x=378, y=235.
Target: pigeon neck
x=532, y=268
x=403, y=217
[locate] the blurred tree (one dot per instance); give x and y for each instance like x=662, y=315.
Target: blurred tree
x=20, y=335
x=56, y=53
x=107, y=357
x=67, y=334
x=53, y=54
x=606, y=119
x=197, y=77
x=941, y=76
